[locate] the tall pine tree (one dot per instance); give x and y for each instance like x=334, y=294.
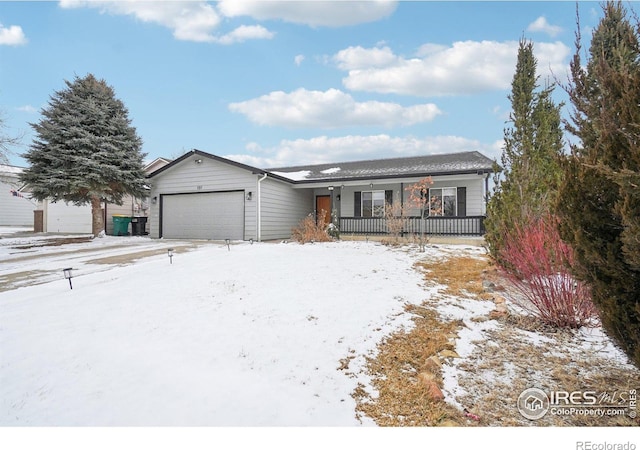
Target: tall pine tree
x=599, y=200
x=527, y=186
x=85, y=150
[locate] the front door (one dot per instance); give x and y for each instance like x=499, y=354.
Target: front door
x=323, y=206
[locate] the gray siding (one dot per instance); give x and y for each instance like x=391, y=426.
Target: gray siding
x=208, y=176
x=282, y=208
x=128, y=208
x=475, y=192
x=473, y=183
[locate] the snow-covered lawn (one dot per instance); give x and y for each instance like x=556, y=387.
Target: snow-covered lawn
x=260, y=335
x=251, y=336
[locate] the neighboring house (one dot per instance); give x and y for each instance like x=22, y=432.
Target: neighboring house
x=156, y=164
x=204, y=196
x=16, y=209
x=62, y=217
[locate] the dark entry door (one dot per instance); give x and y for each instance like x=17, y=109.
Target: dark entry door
x=323, y=204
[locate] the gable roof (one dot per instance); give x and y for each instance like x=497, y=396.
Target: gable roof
x=414, y=166
x=156, y=164
x=200, y=153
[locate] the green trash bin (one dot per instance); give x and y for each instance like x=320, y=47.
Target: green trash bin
x=121, y=225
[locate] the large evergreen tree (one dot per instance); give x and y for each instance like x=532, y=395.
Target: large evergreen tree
x=527, y=186
x=599, y=201
x=85, y=150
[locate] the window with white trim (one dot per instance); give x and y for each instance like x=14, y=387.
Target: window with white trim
x=443, y=202
x=372, y=203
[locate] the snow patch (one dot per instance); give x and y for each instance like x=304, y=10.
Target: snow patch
x=247, y=336
x=295, y=176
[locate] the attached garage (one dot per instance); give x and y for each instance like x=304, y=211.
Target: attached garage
x=207, y=215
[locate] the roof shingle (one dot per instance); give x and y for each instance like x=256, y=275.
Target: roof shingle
x=443, y=164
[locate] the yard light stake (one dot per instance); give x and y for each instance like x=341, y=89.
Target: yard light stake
x=227, y=241
x=170, y=253
x=68, y=274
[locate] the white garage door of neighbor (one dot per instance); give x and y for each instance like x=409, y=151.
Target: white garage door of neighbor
x=210, y=215
x=67, y=218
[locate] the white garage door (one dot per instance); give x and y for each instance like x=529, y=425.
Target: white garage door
x=67, y=218
x=211, y=215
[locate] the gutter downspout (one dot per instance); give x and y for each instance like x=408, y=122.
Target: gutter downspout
x=486, y=193
x=259, y=212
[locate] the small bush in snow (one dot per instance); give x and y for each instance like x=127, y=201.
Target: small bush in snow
x=396, y=220
x=333, y=231
x=538, y=263
x=311, y=230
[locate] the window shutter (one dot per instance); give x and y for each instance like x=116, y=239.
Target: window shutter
x=462, y=201
x=357, y=204
x=388, y=197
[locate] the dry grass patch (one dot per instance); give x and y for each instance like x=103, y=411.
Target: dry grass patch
x=404, y=371
x=507, y=363
x=462, y=275
x=517, y=352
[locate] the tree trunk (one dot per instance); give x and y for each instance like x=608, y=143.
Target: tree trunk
x=97, y=219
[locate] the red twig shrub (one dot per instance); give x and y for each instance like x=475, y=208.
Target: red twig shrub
x=538, y=263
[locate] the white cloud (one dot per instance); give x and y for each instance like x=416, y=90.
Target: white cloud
x=298, y=60
x=12, y=35
x=356, y=58
x=312, y=13
x=430, y=49
x=194, y=21
x=465, y=67
x=27, y=109
x=324, y=149
x=329, y=109
x=552, y=57
x=245, y=32
x=197, y=20
x=541, y=25
x=189, y=21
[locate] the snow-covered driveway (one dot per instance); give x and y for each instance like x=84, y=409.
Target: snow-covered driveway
x=251, y=336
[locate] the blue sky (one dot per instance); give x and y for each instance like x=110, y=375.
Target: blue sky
x=275, y=83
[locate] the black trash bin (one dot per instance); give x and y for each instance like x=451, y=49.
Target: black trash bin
x=138, y=226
